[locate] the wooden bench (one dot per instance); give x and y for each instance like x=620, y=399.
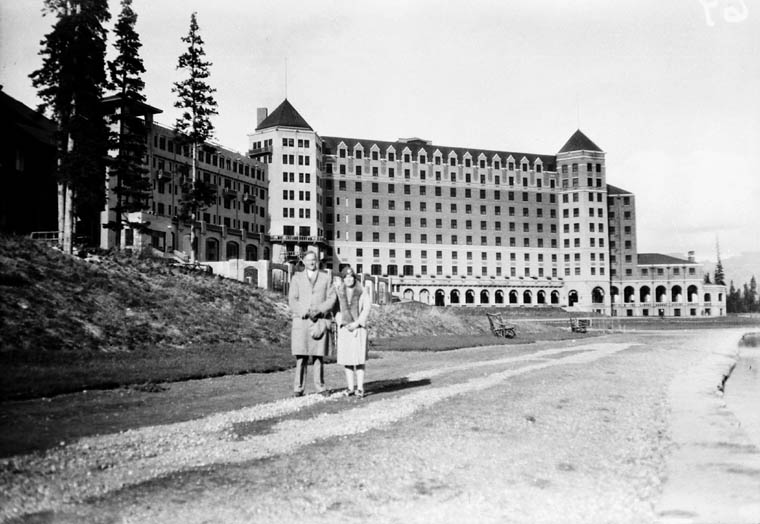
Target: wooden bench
x=499, y=327
x=579, y=325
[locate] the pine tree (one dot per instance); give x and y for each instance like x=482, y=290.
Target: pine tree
x=752, y=302
x=195, y=99
x=70, y=84
x=720, y=277
x=131, y=185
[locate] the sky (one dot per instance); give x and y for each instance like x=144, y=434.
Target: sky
x=669, y=90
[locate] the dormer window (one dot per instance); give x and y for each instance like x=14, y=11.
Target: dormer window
x=375, y=155
x=342, y=152
x=407, y=158
x=423, y=159
x=391, y=156
x=358, y=154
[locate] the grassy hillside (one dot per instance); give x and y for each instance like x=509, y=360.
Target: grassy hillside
x=67, y=324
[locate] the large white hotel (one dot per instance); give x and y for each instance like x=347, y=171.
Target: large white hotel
x=453, y=225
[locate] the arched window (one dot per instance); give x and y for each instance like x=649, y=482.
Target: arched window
x=572, y=298
x=440, y=297
x=661, y=294
x=707, y=298
x=425, y=296
x=212, y=250
x=527, y=297
x=555, y=297
x=675, y=294
x=597, y=296
x=484, y=296
x=469, y=297
x=233, y=250
x=541, y=297
x=408, y=294
x=692, y=294
x=454, y=296
x=629, y=294
x=251, y=252
x=513, y=297
x=498, y=297
x=645, y=294
x=614, y=294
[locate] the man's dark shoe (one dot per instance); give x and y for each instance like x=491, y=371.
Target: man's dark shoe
x=298, y=393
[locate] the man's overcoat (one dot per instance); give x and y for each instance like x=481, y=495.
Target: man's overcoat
x=302, y=296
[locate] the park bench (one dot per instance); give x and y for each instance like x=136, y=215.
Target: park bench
x=499, y=327
x=579, y=325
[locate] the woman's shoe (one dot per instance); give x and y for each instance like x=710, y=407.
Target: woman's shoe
x=348, y=392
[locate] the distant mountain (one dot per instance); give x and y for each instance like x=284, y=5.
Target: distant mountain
x=738, y=268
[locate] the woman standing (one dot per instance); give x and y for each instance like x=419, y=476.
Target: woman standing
x=352, y=329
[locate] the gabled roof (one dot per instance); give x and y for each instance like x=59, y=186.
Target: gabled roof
x=284, y=116
x=614, y=190
x=26, y=120
x=330, y=146
x=579, y=142
x=649, y=259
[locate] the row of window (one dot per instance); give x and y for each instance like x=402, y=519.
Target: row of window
x=303, y=160
x=303, y=178
x=290, y=142
x=237, y=165
x=452, y=159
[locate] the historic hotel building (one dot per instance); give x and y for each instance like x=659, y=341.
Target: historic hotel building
x=233, y=227
x=454, y=225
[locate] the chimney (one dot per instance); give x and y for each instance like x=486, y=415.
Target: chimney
x=261, y=114
x=691, y=256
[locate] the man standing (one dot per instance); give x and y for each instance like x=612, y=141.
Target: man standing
x=311, y=298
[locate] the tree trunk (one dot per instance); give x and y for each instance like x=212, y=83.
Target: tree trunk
x=193, y=175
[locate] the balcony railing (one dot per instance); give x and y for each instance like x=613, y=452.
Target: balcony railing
x=259, y=151
x=296, y=238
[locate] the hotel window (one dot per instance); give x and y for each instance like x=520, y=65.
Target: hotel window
x=453, y=223
x=454, y=241
x=358, y=220
x=375, y=220
x=374, y=171
x=342, y=169
x=391, y=172
x=453, y=208
x=468, y=209
x=407, y=174
x=392, y=238
x=497, y=210
x=437, y=190
x=467, y=193
x=438, y=207
x=391, y=204
x=407, y=238
x=375, y=155
x=375, y=238
x=453, y=192
x=407, y=205
x=468, y=224
x=439, y=239
x=392, y=221
x=342, y=153
x=391, y=156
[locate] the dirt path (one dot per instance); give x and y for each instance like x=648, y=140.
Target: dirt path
x=525, y=434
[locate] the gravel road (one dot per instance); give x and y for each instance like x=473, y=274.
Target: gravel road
x=580, y=431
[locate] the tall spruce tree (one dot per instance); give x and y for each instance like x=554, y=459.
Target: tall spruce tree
x=195, y=99
x=71, y=83
x=719, y=276
x=130, y=182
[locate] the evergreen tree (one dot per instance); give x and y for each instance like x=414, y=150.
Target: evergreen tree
x=719, y=276
x=70, y=84
x=195, y=99
x=752, y=298
x=733, y=299
x=130, y=182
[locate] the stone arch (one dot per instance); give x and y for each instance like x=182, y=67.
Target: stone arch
x=425, y=296
x=629, y=294
x=692, y=293
x=572, y=298
x=661, y=294
x=408, y=294
x=469, y=297
x=527, y=297
x=555, y=297
x=513, y=297
x=675, y=294
x=645, y=294
x=251, y=252
x=498, y=297
x=232, y=250
x=454, y=296
x=484, y=296
x=440, y=297
x=597, y=295
x=212, y=250
x=541, y=297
